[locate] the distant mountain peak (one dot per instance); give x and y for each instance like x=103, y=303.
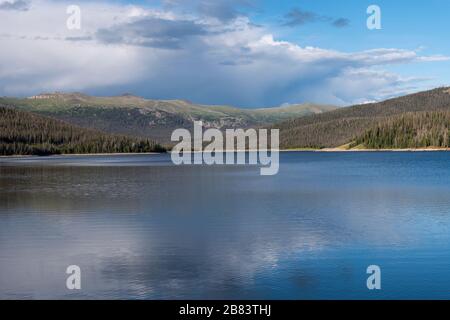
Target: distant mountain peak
x=130, y=95
x=44, y=96
x=59, y=95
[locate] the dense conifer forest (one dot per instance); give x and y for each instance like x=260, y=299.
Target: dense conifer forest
x=24, y=133
x=412, y=130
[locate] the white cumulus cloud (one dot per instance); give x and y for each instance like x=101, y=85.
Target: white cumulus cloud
x=169, y=53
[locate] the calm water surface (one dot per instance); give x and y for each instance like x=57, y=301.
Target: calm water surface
x=142, y=228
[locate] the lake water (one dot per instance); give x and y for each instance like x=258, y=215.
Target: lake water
x=141, y=228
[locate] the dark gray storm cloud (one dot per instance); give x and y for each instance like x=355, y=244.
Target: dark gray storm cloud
x=223, y=10
x=152, y=32
x=341, y=23
x=18, y=5
x=298, y=17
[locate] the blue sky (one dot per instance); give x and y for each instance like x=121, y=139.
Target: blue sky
x=248, y=53
x=406, y=24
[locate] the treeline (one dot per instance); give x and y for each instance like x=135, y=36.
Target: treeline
x=339, y=127
x=412, y=130
x=24, y=133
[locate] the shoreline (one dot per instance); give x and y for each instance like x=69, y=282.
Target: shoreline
x=325, y=150
x=82, y=154
x=369, y=150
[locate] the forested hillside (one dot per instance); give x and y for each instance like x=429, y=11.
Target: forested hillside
x=74, y=120
x=342, y=126
x=412, y=130
x=155, y=119
x=24, y=133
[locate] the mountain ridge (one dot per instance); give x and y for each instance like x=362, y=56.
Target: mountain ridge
x=156, y=119
x=308, y=126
